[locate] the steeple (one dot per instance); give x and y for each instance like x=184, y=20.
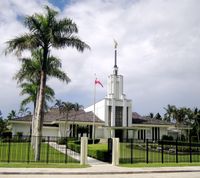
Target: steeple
x=115, y=71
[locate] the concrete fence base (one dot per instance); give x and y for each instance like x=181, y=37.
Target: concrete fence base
x=115, y=151
x=84, y=151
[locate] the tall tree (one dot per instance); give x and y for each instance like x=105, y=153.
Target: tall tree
x=196, y=122
x=12, y=115
x=46, y=32
x=58, y=105
x=169, y=115
x=151, y=115
x=65, y=110
x=76, y=108
x=24, y=111
x=158, y=116
x=30, y=89
x=3, y=124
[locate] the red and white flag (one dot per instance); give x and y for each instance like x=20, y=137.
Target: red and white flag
x=98, y=82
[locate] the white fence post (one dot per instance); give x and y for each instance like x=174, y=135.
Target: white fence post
x=115, y=152
x=84, y=150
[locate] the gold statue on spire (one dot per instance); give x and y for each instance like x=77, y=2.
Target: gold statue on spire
x=115, y=44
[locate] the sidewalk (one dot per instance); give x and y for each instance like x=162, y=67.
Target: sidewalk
x=62, y=149
x=103, y=169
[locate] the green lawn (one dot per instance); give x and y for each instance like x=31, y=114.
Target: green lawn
x=159, y=165
x=41, y=165
x=140, y=155
x=23, y=152
x=102, y=147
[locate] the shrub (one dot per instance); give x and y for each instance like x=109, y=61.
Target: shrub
x=167, y=137
x=62, y=141
x=74, y=146
x=90, y=141
x=101, y=155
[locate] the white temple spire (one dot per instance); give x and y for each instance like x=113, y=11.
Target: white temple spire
x=115, y=71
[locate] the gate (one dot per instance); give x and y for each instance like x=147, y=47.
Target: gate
x=110, y=145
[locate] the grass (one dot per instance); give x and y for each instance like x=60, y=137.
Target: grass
x=99, y=151
x=140, y=155
x=159, y=165
x=41, y=165
x=102, y=147
x=23, y=152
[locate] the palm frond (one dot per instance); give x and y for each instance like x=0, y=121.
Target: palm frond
x=21, y=43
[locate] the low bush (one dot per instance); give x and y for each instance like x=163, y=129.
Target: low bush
x=101, y=155
x=90, y=141
x=167, y=137
x=74, y=146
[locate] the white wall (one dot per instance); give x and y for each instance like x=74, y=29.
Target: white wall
x=99, y=132
x=50, y=131
x=25, y=129
x=99, y=109
x=21, y=127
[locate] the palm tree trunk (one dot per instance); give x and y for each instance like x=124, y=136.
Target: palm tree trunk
x=39, y=116
x=66, y=119
x=33, y=126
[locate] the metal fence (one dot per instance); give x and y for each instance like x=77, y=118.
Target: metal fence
x=148, y=151
x=52, y=150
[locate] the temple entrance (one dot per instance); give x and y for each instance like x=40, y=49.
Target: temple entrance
x=119, y=134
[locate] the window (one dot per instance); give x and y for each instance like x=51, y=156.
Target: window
x=109, y=115
x=141, y=134
x=155, y=133
x=118, y=116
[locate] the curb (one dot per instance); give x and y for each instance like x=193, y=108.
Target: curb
x=96, y=173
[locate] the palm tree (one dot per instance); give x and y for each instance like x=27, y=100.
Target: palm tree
x=151, y=115
x=58, y=104
x=158, y=116
x=46, y=32
x=169, y=115
x=12, y=115
x=65, y=109
x=24, y=111
x=196, y=122
x=3, y=124
x=76, y=108
x=30, y=89
x=30, y=72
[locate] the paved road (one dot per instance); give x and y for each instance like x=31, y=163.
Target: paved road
x=175, y=175
x=142, y=175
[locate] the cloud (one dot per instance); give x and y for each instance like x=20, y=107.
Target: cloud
x=158, y=51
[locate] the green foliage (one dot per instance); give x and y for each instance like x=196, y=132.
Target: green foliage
x=23, y=152
x=167, y=137
x=73, y=146
x=46, y=31
x=99, y=151
x=90, y=141
x=3, y=124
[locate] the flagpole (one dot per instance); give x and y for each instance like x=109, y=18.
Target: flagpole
x=93, y=127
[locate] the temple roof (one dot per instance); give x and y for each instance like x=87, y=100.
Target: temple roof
x=138, y=119
x=55, y=115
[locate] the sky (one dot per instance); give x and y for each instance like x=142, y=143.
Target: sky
x=158, y=51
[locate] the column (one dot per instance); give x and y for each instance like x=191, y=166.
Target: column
x=115, y=152
x=113, y=118
x=83, y=157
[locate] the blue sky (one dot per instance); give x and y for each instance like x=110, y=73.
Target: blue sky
x=158, y=52
x=60, y=3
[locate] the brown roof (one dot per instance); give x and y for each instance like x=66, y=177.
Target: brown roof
x=138, y=119
x=54, y=115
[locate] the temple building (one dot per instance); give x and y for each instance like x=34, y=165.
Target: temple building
x=110, y=117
